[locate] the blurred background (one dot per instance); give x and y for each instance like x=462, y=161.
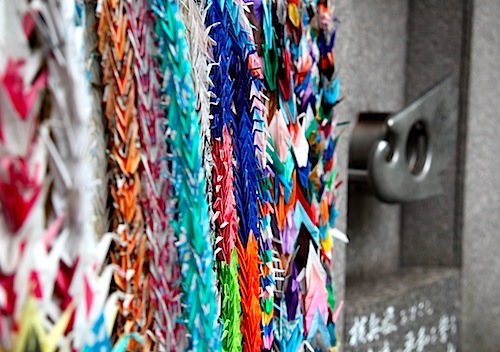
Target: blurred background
x=423, y=275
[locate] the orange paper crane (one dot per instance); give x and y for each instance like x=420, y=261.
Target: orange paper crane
x=124, y=155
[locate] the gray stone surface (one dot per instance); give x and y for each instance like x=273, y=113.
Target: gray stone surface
x=370, y=55
x=481, y=242
x=434, y=43
x=429, y=235
x=372, y=67
x=371, y=254
x=413, y=310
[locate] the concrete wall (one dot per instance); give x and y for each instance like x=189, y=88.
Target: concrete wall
x=481, y=232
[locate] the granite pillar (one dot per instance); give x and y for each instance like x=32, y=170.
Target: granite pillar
x=481, y=237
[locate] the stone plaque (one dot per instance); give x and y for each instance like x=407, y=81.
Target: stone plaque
x=411, y=311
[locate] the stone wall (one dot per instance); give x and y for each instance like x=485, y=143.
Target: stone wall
x=481, y=232
x=388, y=53
x=370, y=54
x=431, y=233
x=372, y=68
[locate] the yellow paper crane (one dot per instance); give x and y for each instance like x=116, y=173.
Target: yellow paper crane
x=32, y=333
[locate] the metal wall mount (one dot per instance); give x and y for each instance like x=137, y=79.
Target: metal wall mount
x=402, y=155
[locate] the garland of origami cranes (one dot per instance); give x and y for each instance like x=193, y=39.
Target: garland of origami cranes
x=168, y=178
